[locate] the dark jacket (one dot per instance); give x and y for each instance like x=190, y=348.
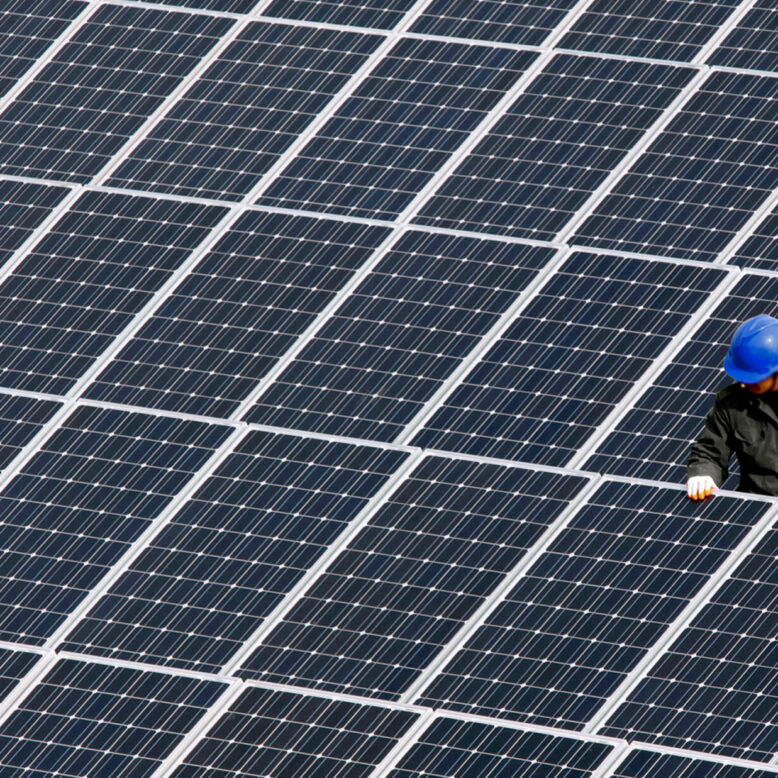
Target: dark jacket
x=745, y=424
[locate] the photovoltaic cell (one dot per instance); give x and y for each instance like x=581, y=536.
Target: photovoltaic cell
x=760, y=250
x=244, y=111
x=752, y=44
x=79, y=503
x=212, y=339
x=21, y=418
x=715, y=689
x=381, y=14
x=100, y=88
x=701, y=179
x=399, y=335
x=452, y=748
x=650, y=764
x=14, y=666
x=670, y=30
x=85, y=280
x=568, y=358
x=399, y=127
x=582, y=617
x=652, y=440
x=228, y=6
x=556, y=144
x=400, y=591
x=225, y=560
x=509, y=21
x=89, y=719
x=23, y=207
x=27, y=29
x=285, y=734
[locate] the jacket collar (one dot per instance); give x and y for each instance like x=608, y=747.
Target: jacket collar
x=761, y=404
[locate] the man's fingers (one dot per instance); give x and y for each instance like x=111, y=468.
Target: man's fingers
x=700, y=488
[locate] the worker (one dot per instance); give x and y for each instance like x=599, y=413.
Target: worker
x=744, y=417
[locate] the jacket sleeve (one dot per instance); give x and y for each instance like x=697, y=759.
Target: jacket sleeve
x=711, y=452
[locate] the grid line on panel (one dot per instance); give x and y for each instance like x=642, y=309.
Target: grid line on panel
x=404, y=744
x=752, y=235
x=11, y=703
x=146, y=538
x=751, y=42
x=645, y=760
x=640, y=387
x=380, y=15
x=724, y=573
x=732, y=22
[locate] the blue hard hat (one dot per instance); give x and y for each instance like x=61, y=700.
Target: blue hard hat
x=753, y=354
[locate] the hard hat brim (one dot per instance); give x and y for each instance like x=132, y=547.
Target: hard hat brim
x=744, y=376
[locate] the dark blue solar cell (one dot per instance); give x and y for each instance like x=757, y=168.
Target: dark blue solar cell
x=568, y=358
x=100, y=88
x=229, y=6
x=226, y=559
x=761, y=249
x=399, y=127
x=402, y=588
x=245, y=111
x=268, y=733
x=399, y=335
x=452, y=748
x=14, y=666
x=510, y=21
x=591, y=606
x=94, y=720
x=652, y=440
x=701, y=179
x=85, y=280
x=77, y=505
x=27, y=29
x=21, y=418
x=715, y=688
x=219, y=332
x=382, y=14
x=644, y=28
x=753, y=43
x=651, y=764
x=556, y=144
x=23, y=208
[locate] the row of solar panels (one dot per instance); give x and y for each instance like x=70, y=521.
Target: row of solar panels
x=486, y=588
x=259, y=730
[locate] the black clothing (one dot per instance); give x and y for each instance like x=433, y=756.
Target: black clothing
x=745, y=424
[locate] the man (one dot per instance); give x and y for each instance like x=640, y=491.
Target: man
x=744, y=417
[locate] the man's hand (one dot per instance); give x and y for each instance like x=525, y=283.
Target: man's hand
x=700, y=487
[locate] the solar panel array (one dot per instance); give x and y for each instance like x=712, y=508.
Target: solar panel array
x=350, y=355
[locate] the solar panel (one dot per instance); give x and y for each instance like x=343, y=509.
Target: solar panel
x=269, y=732
x=27, y=29
x=91, y=719
x=528, y=23
x=653, y=438
x=381, y=14
x=99, y=89
x=23, y=208
x=398, y=128
x=85, y=280
x=452, y=747
x=652, y=764
x=78, y=504
x=674, y=30
x=752, y=44
x=245, y=110
x=399, y=335
x=568, y=130
x=568, y=358
x=227, y=6
x=420, y=568
x=230, y=319
x=14, y=666
x=715, y=688
x=591, y=606
x=701, y=179
x=21, y=418
x=760, y=250
x=226, y=559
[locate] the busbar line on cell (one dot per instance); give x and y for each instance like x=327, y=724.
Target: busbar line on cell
x=490, y=604
x=11, y=703
x=622, y=408
x=747, y=230
x=684, y=618
x=634, y=153
x=724, y=30
x=349, y=531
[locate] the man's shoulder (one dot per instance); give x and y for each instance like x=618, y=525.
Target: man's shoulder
x=731, y=396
